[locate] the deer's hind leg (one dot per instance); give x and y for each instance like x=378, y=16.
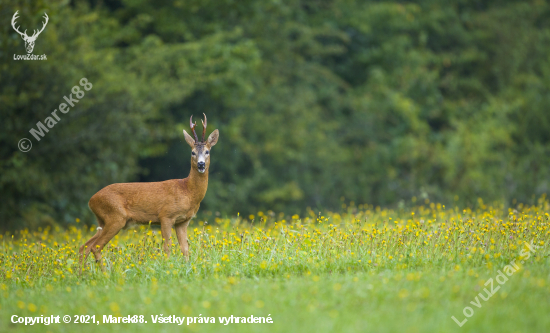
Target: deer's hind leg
x=112, y=226
x=85, y=249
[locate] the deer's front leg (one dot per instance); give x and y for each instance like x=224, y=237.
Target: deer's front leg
x=181, y=232
x=166, y=232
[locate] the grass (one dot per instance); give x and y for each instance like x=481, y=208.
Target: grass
x=364, y=269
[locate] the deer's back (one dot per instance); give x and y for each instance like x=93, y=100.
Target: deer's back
x=141, y=202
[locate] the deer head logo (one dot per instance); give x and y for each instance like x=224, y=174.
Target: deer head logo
x=29, y=41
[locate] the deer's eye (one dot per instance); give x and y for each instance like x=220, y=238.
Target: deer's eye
x=207, y=152
x=193, y=153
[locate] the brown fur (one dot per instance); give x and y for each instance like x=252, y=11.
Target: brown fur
x=171, y=203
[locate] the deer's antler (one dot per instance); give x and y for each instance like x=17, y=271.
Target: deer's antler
x=203, y=127
x=43, y=26
x=13, y=19
x=193, y=128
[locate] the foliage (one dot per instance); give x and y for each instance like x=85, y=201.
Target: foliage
x=374, y=101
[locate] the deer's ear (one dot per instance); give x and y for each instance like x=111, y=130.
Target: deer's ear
x=190, y=141
x=213, y=138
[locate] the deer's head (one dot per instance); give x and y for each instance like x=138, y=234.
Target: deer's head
x=29, y=41
x=200, y=155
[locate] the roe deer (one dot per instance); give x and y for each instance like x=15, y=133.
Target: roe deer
x=170, y=203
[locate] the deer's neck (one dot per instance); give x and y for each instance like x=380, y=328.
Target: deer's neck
x=197, y=183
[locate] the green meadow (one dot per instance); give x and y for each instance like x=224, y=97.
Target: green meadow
x=364, y=269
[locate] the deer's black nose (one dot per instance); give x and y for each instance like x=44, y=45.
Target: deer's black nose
x=201, y=165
